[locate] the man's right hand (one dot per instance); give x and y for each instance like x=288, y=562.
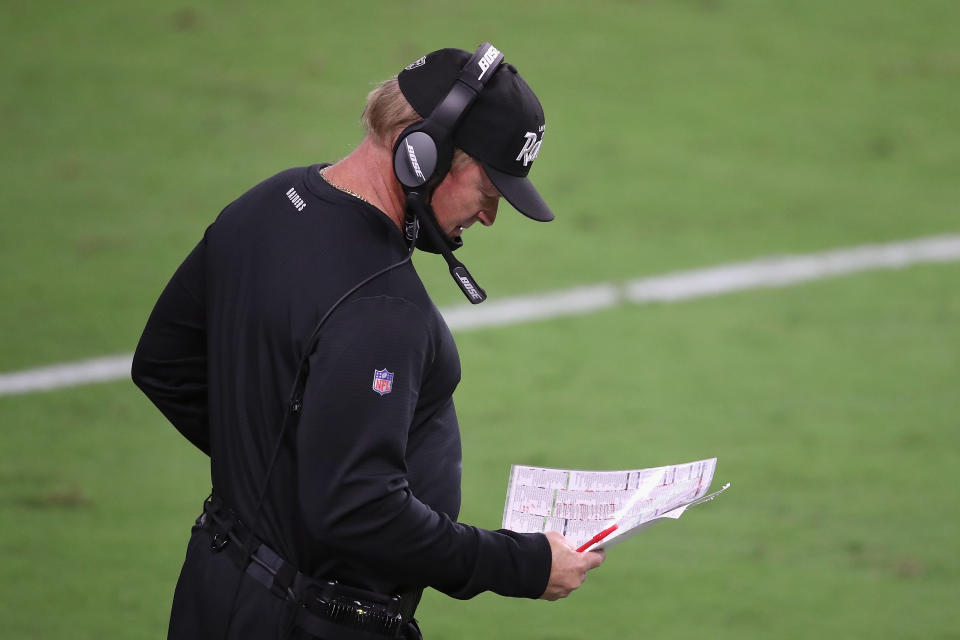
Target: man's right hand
x=569, y=568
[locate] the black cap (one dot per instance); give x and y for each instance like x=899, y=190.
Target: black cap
x=503, y=128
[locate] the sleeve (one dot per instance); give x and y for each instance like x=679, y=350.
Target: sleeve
x=351, y=443
x=170, y=363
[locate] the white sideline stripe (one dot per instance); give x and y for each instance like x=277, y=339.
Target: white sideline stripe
x=65, y=375
x=769, y=272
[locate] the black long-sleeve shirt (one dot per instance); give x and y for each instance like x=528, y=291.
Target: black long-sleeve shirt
x=367, y=487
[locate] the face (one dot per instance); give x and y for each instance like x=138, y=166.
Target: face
x=465, y=196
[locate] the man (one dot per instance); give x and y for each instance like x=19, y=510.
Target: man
x=297, y=347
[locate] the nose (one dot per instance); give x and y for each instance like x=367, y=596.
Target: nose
x=488, y=216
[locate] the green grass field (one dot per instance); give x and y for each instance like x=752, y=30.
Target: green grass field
x=680, y=134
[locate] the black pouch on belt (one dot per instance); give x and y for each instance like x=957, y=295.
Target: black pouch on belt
x=366, y=614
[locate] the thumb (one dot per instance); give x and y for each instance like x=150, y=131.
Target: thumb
x=595, y=558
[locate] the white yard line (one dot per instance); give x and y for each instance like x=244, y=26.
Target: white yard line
x=770, y=272
x=68, y=374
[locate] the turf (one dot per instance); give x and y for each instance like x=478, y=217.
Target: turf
x=679, y=134
x=831, y=407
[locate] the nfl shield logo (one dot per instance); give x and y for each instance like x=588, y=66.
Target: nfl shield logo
x=382, y=381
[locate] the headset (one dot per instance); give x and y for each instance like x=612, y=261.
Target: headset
x=422, y=156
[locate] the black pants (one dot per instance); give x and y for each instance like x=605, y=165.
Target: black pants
x=204, y=601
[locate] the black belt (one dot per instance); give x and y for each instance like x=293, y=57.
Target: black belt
x=325, y=608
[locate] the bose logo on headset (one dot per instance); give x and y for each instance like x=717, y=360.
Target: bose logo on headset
x=487, y=60
x=468, y=288
x=413, y=160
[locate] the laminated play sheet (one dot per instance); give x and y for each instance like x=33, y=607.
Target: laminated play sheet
x=600, y=509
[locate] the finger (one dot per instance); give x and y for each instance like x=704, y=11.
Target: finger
x=594, y=559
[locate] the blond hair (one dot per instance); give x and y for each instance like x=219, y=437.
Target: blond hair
x=387, y=113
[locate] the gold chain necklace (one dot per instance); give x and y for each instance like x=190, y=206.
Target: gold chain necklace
x=344, y=189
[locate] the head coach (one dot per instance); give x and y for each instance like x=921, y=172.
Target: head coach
x=298, y=348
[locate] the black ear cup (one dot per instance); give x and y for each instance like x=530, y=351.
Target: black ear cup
x=415, y=159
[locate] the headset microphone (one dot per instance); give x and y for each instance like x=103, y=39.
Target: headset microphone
x=422, y=219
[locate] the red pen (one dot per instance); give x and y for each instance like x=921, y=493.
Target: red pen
x=597, y=538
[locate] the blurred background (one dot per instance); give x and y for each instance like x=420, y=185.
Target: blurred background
x=680, y=135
